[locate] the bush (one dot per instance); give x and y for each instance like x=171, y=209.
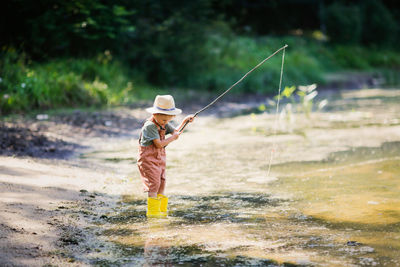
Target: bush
x=25, y=86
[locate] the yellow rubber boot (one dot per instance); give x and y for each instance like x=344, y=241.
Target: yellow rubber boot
x=164, y=204
x=153, y=208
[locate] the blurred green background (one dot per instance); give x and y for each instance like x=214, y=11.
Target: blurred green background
x=79, y=53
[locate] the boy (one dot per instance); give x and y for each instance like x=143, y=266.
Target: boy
x=152, y=157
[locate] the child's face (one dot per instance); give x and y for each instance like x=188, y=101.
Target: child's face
x=163, y=119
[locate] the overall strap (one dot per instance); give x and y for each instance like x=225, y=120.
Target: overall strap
x=161, y=130
x=159, y=127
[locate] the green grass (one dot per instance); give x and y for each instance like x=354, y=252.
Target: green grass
x=106, y=81
x=63, y=83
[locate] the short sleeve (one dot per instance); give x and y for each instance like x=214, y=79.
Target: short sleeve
x=169, y=128
x=149, y=133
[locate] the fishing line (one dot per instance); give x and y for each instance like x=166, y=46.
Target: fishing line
x=241, y=79
x=276, y=114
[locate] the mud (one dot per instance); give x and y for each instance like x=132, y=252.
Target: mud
x=18, y=141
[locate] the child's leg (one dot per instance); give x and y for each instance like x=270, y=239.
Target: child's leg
x=152, y=194
x=153, y=201
x=152, y=183
x=161, y=196
x=161, y=188
x=157, y=186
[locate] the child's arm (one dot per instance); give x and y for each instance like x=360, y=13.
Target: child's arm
x=175, y=135
x=163, y=143
x=189, y=118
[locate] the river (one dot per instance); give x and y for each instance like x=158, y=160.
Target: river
x=332, y=197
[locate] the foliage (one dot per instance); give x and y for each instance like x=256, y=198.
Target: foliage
x=168, y=45
x=236, y=55
x=165, y=39
x=53, y=28
x=26, y=86
x=369, y=22
x=307, y=95
x=379, y=25
x=300, y=99
x=361, y=58
x=343, y=23
x=199, y=44
x=106, y=80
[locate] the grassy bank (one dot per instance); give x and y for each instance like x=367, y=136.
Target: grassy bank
x=107, y=81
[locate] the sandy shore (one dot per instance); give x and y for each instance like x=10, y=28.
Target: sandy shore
x=37, y=194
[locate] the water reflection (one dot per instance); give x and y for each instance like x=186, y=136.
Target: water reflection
x=156, y=248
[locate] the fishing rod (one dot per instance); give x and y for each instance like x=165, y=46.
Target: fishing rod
x=241, y=79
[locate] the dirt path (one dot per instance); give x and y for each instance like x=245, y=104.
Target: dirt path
x=63, y=211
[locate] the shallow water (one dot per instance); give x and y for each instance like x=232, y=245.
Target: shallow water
x=332, y=199
x=356, y=191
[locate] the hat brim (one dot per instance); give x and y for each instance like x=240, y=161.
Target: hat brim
x=155, y=110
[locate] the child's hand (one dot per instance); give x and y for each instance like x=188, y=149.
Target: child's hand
x=189, y=118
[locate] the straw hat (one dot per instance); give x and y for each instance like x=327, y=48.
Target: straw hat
x=164, y=104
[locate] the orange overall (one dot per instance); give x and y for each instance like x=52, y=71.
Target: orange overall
x=151, y=163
